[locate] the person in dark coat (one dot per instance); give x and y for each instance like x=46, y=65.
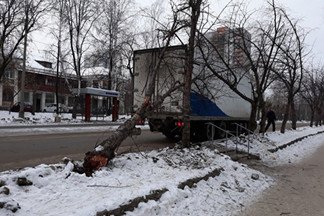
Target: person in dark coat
x=271, y=118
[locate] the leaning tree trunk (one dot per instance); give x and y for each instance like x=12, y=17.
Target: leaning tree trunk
x=105, y=151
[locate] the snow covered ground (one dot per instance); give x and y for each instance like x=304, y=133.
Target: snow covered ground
x=43, y=123
x=46, y=118
x=55, y=190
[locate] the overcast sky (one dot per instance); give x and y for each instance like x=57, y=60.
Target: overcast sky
x=311, y=12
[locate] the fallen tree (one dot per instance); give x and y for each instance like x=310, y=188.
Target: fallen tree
x=105, y=151
x=185, y=14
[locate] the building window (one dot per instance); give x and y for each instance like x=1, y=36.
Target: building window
x=26, y=97
x=7, y=94
x=9, y=74
x=49, y=99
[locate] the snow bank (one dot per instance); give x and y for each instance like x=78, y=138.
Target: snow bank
x=58, y=191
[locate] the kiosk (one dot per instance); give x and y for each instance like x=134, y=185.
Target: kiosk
x=89, y=91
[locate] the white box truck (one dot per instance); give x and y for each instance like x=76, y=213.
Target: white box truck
x=211, y=100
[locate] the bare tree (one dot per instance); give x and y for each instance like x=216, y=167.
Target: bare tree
x=60, y=49
x=59, y=9
x=290, y=69
x=194, y=7
x=14, y=26
x=105, y=150
x=313, y=93
x=153, y=20
x=243, y=49
x=112, y=34
x=32, y=12
x=10, y=82
x=80, y=16
x=128, y=54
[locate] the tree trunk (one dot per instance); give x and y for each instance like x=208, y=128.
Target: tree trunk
x=105, y=150
x=293, y=116
x=186, y=102
x=316, y=117
x=285, y=118
x=312, y=118
x=252, y=121
x=263, y=115
x=76, y=101
x=194, y=16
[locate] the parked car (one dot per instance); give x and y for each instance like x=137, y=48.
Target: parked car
x=52, y=108
x=27, y=108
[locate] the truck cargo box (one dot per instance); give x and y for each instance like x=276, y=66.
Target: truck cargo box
x=211, y=100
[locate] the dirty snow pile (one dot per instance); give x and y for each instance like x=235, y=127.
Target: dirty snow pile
x=199, y=181
x=55, y=190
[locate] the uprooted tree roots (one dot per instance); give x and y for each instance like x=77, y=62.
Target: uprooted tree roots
x=93, y=161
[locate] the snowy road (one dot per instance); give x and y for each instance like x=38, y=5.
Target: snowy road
x=300, y=190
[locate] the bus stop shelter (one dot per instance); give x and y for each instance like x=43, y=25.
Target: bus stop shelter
x=89, y=91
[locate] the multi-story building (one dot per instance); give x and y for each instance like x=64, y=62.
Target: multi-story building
x=233, y=45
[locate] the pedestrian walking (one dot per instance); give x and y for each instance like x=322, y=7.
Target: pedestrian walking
x=271, y=118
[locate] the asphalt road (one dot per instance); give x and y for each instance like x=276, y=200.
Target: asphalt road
x=30, y=150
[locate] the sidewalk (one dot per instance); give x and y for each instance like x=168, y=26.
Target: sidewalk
x=300, y=190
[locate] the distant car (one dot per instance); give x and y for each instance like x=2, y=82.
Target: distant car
x=27, y=108
x=52, y=108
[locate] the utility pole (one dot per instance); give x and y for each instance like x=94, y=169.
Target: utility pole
x=23, y=73
x=57, y=118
